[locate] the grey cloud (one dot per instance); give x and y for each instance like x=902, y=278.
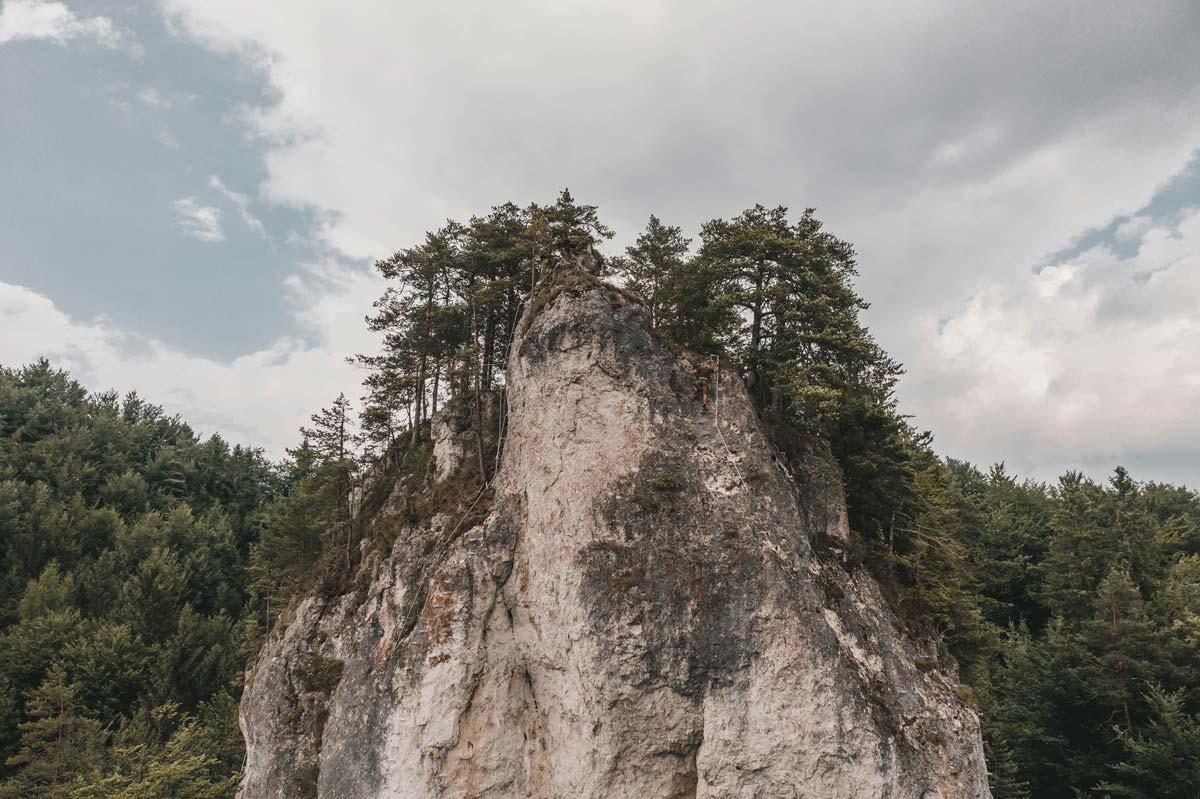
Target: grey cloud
x=689, y=109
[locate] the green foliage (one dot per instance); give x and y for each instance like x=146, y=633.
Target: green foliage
x=58, y=743
x=1062, y=605
x=451, y=308
x=124, y=541
x=932, y=567
x=166, y=753
x=653, y=268
x=1165, y=759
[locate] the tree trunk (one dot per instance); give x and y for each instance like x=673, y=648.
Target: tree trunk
x=418, y=402
x=437, y=373
x=489, y=345
x=478, y=374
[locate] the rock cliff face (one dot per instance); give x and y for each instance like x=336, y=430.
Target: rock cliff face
x=655, y=607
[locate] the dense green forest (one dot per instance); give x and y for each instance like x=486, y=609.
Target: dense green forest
x=124, y=543
x=141, y=565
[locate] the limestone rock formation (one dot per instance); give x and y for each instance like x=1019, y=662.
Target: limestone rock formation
x=654, y=607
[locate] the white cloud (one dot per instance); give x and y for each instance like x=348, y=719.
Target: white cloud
x=55, y=22
x=260, y=398
x=1089, y=363
x=152, y=98
x=242, y=203
x=165, y=137
x=199, y=221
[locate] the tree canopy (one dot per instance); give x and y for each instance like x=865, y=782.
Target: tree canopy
x=124, y=540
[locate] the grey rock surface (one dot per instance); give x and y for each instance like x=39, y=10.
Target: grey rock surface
x=653, y=608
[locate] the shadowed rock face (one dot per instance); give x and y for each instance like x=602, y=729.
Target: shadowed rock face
x=643, y=614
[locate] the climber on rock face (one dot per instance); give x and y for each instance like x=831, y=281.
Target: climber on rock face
x=704, y=380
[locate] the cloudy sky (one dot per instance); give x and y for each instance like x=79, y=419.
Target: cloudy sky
x=193, y=191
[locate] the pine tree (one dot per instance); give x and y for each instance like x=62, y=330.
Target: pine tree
x=330, y=434
x=423, y=326
x=1164, y=759
x=331, y=439
x=1121, y=640
x=653, y=266
x=296, y=529
x=574, y=229
x=59, y=745
x=167, y=753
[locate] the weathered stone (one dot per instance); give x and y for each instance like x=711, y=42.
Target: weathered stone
x=650, y=610
x=448, y=429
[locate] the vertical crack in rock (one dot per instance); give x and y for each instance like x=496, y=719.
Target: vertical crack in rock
x=646, y=612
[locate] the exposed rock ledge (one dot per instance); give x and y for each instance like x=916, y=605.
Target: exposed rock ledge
x=643, y=614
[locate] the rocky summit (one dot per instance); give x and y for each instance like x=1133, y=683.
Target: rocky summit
x=659, y=603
